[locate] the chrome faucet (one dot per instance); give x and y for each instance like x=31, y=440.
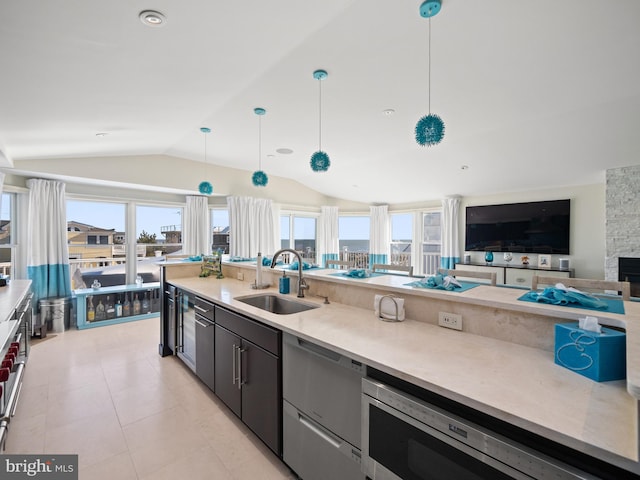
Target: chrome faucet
x=302, y=285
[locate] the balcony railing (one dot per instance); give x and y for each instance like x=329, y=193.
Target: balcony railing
x=5, y=268
x=430, y=261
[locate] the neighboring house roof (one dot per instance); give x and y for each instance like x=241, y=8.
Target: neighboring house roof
x=84, y=227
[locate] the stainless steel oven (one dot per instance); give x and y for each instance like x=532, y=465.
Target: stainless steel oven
x=407, y=438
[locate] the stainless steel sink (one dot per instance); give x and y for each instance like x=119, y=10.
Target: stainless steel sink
x=276, y=304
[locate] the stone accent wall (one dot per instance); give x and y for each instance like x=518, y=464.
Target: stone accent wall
x=622, y=217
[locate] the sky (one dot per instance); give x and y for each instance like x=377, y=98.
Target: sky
x=151, y=219
x=5, y=208
x=112, y=215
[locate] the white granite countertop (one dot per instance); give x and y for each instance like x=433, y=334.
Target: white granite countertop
x=517, y=384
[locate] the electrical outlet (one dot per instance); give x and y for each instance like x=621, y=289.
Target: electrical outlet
x=450, y=320
x=240, y=276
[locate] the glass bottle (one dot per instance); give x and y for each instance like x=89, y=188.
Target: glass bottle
x=100, y=311
x=118, y=308
x=91, y=311
x=146, y=306
x=110, y=308
x=136, y=306
x=126, y=306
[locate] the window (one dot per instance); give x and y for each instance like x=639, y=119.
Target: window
x=401, y=238
x=285, y=231
x=353, y=233
x=220, y=228
x=431, y=242
x=158, y=231
x=299, y=231
x=98, y=241
x=93, y=252
x=6, y=240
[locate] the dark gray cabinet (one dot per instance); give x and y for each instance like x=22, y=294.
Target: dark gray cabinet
x=167, y=345
x=227, y=386
x=205, y=345
x=168, y=317
x=248, y=374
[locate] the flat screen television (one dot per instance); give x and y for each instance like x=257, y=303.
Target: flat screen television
x=532, y=227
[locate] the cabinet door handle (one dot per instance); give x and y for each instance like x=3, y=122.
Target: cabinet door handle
x=202, y=324
x=200, y=309
x=233, y=364
x=240, y=381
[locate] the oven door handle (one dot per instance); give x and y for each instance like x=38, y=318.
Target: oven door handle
x=320, y=432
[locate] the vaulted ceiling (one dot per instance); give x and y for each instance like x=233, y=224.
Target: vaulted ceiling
x=533, y=95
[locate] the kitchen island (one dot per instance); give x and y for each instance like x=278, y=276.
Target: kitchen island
x=501, y=364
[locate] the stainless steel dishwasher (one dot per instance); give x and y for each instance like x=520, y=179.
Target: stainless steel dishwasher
x=321, y=392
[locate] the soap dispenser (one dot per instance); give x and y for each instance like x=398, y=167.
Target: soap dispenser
x=284, y=283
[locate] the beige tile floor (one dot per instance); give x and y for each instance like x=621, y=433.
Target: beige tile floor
x=106, y=395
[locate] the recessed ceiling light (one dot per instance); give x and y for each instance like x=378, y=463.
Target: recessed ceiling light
x=152, y=18
x=464, y=167
x=271, y=155
x=284, y=151
x=101, y=134
x=388, y=112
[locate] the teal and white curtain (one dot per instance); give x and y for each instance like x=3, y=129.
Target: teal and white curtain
x=47, y=250
x=252, y=227
x=379, y=237
x=196, y=232
x=328, y=240
x=450, y=254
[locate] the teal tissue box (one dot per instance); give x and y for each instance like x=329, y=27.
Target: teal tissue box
x=599, y=356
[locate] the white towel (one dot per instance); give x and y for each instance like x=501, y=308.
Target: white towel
x=388, y=307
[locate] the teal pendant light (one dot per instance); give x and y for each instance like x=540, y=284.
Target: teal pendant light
x=205, y=188
x=430, y=128
x=320, y=161
x=259, y=178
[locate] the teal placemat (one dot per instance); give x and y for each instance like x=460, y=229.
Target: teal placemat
x=614, y=305
x=241, y=259
x=464, y=286
x=345, y=275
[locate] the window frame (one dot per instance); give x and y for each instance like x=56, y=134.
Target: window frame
x=424, y=262
x=12, y=245
x=358, y=259
x=212, y=233
x=130, y=224
x=292, y=215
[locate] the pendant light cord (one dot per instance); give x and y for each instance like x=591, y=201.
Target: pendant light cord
x=320, y=115
x=429, y=63
x=259, y=142
x=205, y=152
